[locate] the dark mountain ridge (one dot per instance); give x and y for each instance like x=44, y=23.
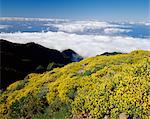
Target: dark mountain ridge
x=18, y=60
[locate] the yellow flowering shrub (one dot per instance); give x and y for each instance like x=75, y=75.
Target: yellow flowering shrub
x=91, y=88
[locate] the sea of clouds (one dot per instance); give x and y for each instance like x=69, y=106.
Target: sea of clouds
x=87, y=38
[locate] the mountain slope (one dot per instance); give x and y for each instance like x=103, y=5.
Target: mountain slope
x=96, y=87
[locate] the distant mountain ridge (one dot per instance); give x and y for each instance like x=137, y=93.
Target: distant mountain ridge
x=111, y=53
x=72, y=55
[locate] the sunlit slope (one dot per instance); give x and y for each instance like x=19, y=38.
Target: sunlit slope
x=92, y=88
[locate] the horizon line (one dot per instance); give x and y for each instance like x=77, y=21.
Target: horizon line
x=20, y=18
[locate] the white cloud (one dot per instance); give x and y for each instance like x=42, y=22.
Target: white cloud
x=85, y=45
x=146, y=23
x=29, y=19
x=5, y=26
x=90, y=27
x=81, y=26
x=115, y=30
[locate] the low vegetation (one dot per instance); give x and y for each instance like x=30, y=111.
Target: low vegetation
x=95, y=87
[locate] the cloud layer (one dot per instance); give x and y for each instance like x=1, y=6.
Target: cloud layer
x=85, y=45
x=88, y=38
x=92, y=27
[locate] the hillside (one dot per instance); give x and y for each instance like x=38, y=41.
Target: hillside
x=96, y=87
x=18, y=60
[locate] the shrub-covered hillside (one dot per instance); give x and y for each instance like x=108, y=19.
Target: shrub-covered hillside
x=97, y=87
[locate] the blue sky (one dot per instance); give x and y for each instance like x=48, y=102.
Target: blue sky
x=77, y=9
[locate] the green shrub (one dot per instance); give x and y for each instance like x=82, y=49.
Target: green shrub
x=52, y=65
x=26, y=107
x=21, y=84
x=40, y=68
